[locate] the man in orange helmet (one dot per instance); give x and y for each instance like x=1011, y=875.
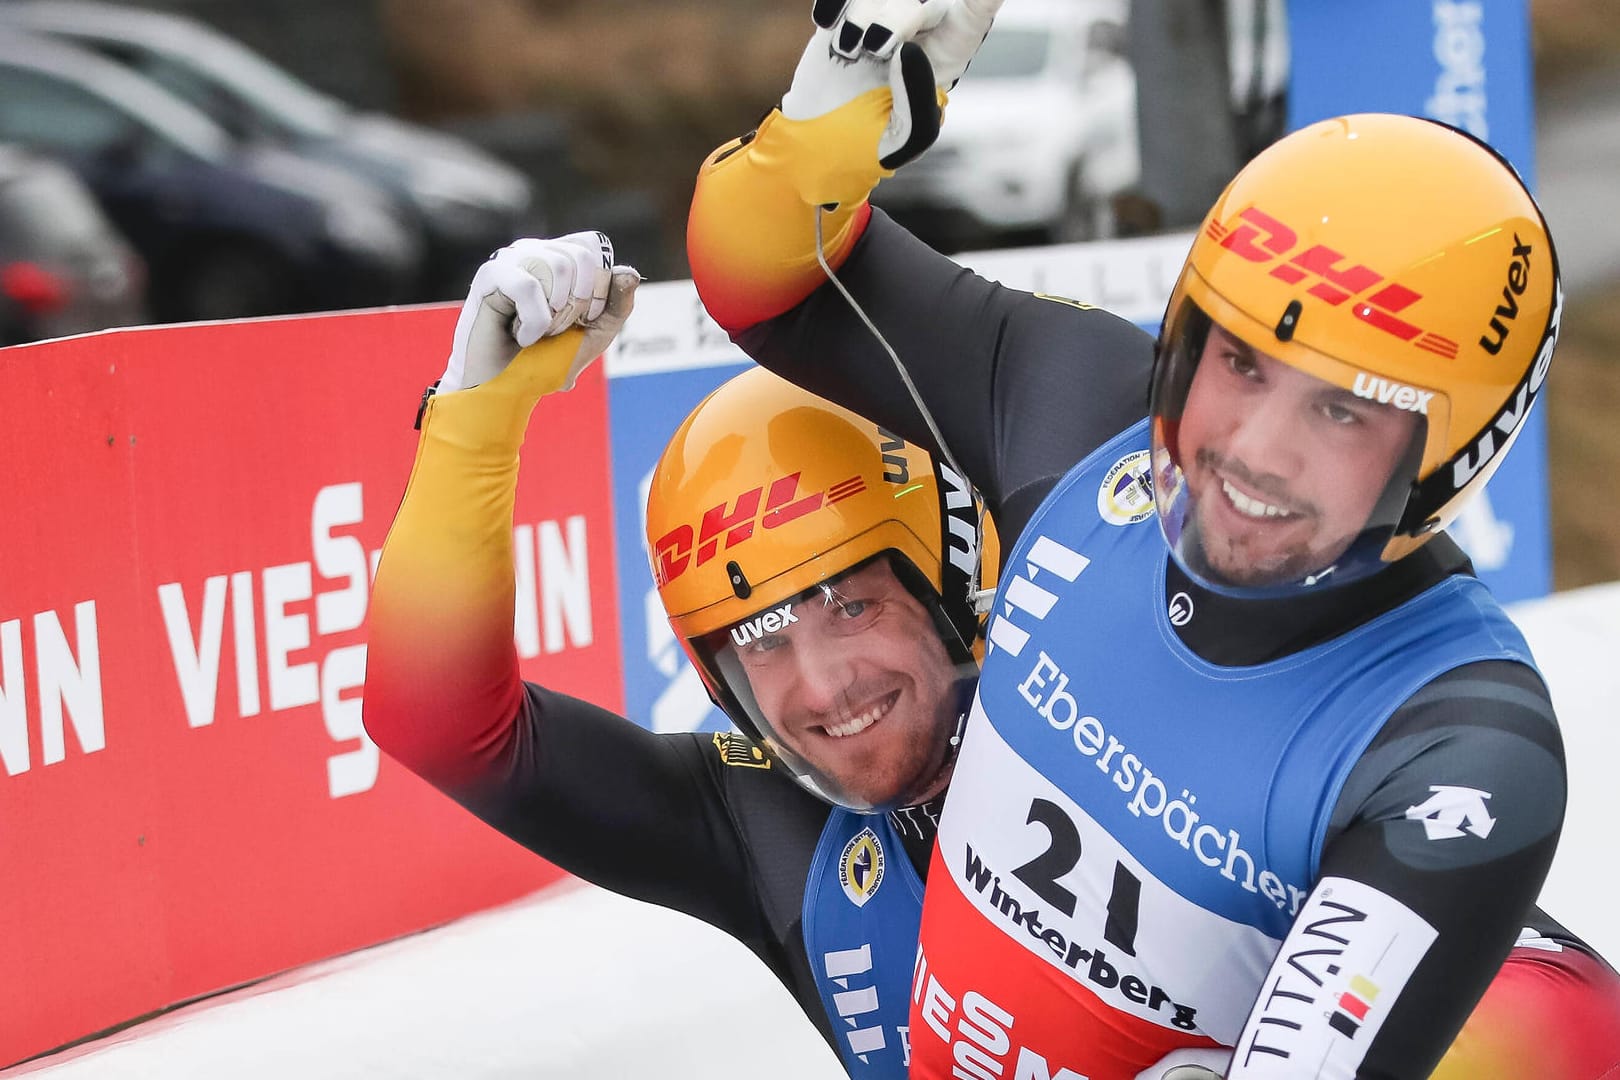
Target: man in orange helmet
x=1268, y=787
x=859, y=654
x=818, y=572
x=818, y=583
x=826, y=891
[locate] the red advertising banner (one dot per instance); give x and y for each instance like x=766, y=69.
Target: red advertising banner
x=190, y=518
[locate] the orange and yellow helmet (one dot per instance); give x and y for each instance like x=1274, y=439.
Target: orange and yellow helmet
x=818, y=572
x=1400, y=262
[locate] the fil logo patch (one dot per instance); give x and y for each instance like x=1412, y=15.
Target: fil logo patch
x=1258, y=237
x=1450, y=812
x=1023, y=594
x=1126, y=493
x=1350, y=1011
x=860, y=867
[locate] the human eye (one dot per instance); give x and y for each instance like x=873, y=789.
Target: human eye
x=1340, y=414
x=763, y=650
x=851, y=613
x=1242, y=364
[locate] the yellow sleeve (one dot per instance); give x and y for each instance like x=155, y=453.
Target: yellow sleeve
x=442, y=682
x=751, y=238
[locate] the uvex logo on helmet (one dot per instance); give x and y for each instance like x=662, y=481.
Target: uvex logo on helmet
x=673, y=552
x=1258, y=237
x=1494, y=438
x=1460, y=470
x=1518, y=279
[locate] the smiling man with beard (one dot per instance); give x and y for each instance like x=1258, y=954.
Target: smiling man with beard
x=1258, y=780
x=818, y=571
x=1284, y=470
x=855, y=684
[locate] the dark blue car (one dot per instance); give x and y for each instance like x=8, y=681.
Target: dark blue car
x=226, y=228
x=466, y=202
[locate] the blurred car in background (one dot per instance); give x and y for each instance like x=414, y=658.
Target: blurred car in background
x=64, y=269
x=466, y=202
x=1040, y=136
x=226, y=229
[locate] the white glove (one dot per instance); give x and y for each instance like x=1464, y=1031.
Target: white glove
x=914, y=47
x=1189, y=1065
x=532, y=289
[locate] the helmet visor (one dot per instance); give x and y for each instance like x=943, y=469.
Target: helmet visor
x=1271, y=478
x=857, y=685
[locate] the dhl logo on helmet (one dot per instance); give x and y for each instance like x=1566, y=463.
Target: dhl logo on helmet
x=684, y=546
x=1258, y=237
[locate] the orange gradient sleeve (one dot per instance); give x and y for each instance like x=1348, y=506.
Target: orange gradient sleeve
x=751, y=233
x=442, y=685
x=1551, y=1013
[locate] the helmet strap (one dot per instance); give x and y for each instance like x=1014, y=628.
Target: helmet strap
x=975, y=598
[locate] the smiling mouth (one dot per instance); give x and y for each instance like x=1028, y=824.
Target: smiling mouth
x=863, y=720
x=1251, y=507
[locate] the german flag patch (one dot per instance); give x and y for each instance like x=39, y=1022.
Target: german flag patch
x=738, y=751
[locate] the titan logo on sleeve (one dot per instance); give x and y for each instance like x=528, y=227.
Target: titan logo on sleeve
x=1343, y=965
x=1023, y=594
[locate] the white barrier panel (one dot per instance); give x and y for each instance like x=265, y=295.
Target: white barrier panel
x=1576, y=640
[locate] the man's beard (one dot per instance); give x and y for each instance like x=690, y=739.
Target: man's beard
x=1284, y=568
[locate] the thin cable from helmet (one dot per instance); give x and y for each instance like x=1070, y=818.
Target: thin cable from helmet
x=980, y=599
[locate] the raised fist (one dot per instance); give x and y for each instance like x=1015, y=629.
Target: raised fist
x=917, y=48
x=533, y=289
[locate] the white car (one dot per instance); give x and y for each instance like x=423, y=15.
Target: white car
x=1040, y=135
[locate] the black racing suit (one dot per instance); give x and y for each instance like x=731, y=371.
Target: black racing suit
x=1022, y=388
x=690, y=821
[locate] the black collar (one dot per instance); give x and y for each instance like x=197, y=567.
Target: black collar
x=1232, y=632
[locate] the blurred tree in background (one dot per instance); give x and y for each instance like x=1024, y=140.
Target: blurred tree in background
x=1577, y=66
x=645, y=89
x=1573, y=39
